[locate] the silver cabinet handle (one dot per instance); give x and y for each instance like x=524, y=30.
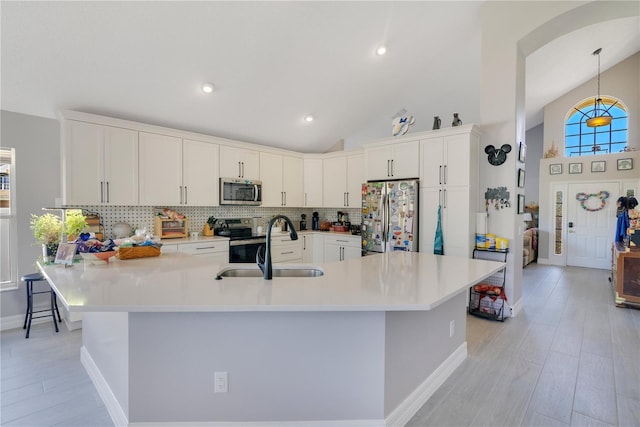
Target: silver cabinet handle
x=101, y=191
x=445, y=198
x=392, y=168
x=242, y=170
x=285, y=198
x=440, y=196
x=440, y=175
x=388, y=167
x=445, y=174
x=107, y=191
x=286, y=253
x=186, y=194
x=181, y=194
x=239, y=170
x=304, y=243
x=208, y=247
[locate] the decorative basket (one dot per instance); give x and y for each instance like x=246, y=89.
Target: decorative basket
x=138, y=252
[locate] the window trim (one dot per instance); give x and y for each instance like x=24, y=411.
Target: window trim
x=8, y=154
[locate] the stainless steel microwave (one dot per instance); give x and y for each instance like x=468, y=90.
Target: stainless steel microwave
x=234, y=191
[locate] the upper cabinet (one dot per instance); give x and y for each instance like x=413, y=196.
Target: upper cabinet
x=313, y=182
x=393, y=160
x=447, y=160
x=239, y=163
x=177, y=172
x=100, y=164
x=282, y=180
x=342, y=180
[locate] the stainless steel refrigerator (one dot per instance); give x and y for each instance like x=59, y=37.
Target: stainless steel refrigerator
x=389, y=216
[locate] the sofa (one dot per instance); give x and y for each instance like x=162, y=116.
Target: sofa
x=529, y=246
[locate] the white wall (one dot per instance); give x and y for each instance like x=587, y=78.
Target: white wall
x=534, y=141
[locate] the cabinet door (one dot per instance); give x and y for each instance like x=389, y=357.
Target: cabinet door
x=293, y=181
x=459, y=237
x=271, y=177
x=406, y=160
x=350, y=252
x=250, y=164
x=432, y=168
x=379, y=162
x=307, y=248
x=334, y=179
x=313, y=182
x=120, y=166
x=355, y=178
x=83, y=164
x=200, y=173
x=160, y=170
x=457, y=155
x=332, y=253
x=230, y=162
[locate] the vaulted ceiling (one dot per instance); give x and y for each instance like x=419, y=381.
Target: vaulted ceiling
x=272, y=63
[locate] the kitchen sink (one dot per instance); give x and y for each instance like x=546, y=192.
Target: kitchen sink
x=302, y=271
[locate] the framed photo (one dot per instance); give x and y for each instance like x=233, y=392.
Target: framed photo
x=521, y=178
x=65, y=254
x=625, y=164
x=555, y=169
x=575, y=167
x=520, y=204
x=631, y=192
x=522, y=152
x=598, y=166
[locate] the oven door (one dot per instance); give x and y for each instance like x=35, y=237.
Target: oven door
x=244, y=251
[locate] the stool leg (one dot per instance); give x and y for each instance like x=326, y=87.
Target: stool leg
x=29, y=307
x=55, y=300
x=26, y=314
x=53, y=307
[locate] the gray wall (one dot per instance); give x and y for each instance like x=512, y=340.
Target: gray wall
x=37, y=184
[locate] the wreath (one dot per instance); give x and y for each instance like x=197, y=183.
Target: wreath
x=583, y=197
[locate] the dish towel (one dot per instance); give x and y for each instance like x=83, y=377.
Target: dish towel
x=438, y=244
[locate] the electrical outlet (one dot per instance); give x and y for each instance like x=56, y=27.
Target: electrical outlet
x=452, y=328
x=220, y=382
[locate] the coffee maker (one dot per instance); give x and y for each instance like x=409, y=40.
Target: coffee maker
x=303, y=222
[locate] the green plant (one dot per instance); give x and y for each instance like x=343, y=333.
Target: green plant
x=46, y=228
x=75, y=222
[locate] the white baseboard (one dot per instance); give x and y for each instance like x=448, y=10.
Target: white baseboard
x=118, y=416
x=408, y=408
x=515, y=309
x=332, y=423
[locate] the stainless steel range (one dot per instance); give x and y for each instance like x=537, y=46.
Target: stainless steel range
x=243, y=243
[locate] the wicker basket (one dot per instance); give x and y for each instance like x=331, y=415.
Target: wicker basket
x=137, y=252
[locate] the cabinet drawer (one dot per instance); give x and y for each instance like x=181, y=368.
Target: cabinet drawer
x=287, y=253
x=343, y=241
x=204, y=247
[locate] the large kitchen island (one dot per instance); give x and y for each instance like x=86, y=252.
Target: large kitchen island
x=365, y=344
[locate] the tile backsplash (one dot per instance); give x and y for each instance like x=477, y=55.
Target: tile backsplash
x=142, y=216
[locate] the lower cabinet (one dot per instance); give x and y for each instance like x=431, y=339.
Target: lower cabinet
x=283, y=249
x=341, y=247
x=312, y=249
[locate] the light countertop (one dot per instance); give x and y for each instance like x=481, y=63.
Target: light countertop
x=176, y=282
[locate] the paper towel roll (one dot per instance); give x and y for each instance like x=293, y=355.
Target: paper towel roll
x=481, y=223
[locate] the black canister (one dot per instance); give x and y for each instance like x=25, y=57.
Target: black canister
x=315, y=221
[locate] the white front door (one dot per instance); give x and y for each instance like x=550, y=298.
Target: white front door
x=591, y=224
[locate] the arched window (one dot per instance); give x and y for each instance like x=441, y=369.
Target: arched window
x=582, y=140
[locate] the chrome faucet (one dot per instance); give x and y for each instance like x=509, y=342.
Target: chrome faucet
x=263, y=256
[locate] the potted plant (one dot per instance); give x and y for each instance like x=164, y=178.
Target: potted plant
x=47, y=229
x=74, y=224
x=208, y=227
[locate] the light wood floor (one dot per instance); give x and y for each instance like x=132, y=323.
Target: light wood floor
x=570, y=358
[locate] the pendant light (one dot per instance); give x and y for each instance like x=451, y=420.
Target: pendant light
x=600, y=115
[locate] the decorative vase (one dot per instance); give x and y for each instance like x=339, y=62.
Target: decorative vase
x=456, y=120
x=49, y=251
x=436, y=122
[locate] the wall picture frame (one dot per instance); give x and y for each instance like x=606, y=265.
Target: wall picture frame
x=65, y=253
x=522, y=152
x=555, y=169
x=625, y=164
x=575, y=167
x=598, y=166
x=520, y=204
x=521, y=176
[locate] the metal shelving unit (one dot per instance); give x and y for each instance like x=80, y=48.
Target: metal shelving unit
x=487, y=299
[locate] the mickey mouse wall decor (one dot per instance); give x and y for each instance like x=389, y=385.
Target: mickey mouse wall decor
x=497, y=156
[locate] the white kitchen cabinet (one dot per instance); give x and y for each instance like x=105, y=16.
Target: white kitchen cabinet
x=341, y=247
x=312, y=248
x=239, y=163
x=100, y=164
x=283, y=249
x=216, y=250
x=449, y=178
x=394, y=160
x=343, y=176
x=177, y=172
x=313, y=182
x=282, y=180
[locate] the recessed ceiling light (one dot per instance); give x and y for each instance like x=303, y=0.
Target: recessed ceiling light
x=308, y=118
x=381, y=50
x=207, y=87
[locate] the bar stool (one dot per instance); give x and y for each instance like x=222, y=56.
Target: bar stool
x=29, y=279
